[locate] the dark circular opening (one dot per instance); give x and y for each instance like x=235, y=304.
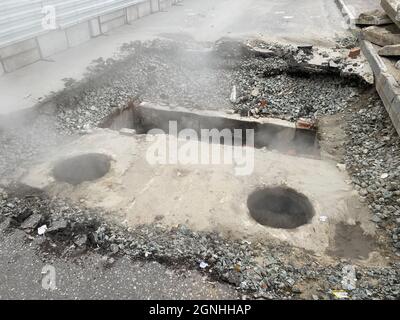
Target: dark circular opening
x=86, y=167
x=280, y=207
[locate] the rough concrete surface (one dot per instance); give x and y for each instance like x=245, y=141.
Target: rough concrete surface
x=137, y=192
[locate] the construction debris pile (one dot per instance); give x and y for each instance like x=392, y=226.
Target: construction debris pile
x=382, y=28
x=268, y=80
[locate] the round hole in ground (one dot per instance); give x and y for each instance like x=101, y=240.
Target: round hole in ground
x=280, y=207
x=81, y=168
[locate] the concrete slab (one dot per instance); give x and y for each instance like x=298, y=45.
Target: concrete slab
x=144, y=8
x=138, y=191
x=391, y=8
x=387, y=79
x=375, y=17
x=393, y=50
x=52, y=42
x=155, y=5
x=132, y=13
x=17, y=48
x=352, y=9
x=382, y=35
x=94, y=26
x=112, y=24
x=22, y=59
x=112, y=16
x=165, y=4
x=78, y=34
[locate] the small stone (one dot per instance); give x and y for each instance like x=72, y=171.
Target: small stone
x=81, y=240
x=114, y=248
x=57, y=226
x=32, y=222
x=127, y=132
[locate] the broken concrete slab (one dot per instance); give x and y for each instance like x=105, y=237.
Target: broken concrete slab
x=391, y=9
x=392, y=50
x=373, y=18
x=58, y=225
x=32, y=222
x=383, y=35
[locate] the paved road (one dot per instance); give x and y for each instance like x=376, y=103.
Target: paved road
x=312, y=21
x=21, y=266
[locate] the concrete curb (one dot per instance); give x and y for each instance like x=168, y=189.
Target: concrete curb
x=386, y=85
x=351, y=19
x=375, y=61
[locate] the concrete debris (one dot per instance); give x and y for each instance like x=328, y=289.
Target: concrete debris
x=393, y=50
x=382, y=36
x=391, y=9
x=127, y=132
x=375, y=17
x=32, y=222
x=58, y=225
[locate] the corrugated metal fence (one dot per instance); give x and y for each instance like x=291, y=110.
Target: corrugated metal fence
x=22, y=19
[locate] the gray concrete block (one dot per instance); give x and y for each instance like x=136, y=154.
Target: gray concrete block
x=165, y=4
x=78, y=34
x=375, y=17
x=132, y=13
x=388, y=51
x=17, y=48
x=390, y=7
x=155, y=5
x=20, y=60
x=112, y=16
x=52, y=42
x=109, y=25
x=144, y=8
x=94, y=27
x=376, y=63
x=382, y=35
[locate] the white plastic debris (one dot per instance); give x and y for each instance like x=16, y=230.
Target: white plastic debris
x=384, y=176
x=203, y=265
x=323, y=218
x=42, y=230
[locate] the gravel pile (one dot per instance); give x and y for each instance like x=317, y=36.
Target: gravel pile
x=258, y=270
x=373, y=160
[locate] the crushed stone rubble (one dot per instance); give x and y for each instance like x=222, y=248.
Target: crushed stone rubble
x=270, y=80
x=258, y=270
x=372, y=158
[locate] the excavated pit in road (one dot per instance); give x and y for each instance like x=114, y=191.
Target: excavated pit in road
x=210, y=197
